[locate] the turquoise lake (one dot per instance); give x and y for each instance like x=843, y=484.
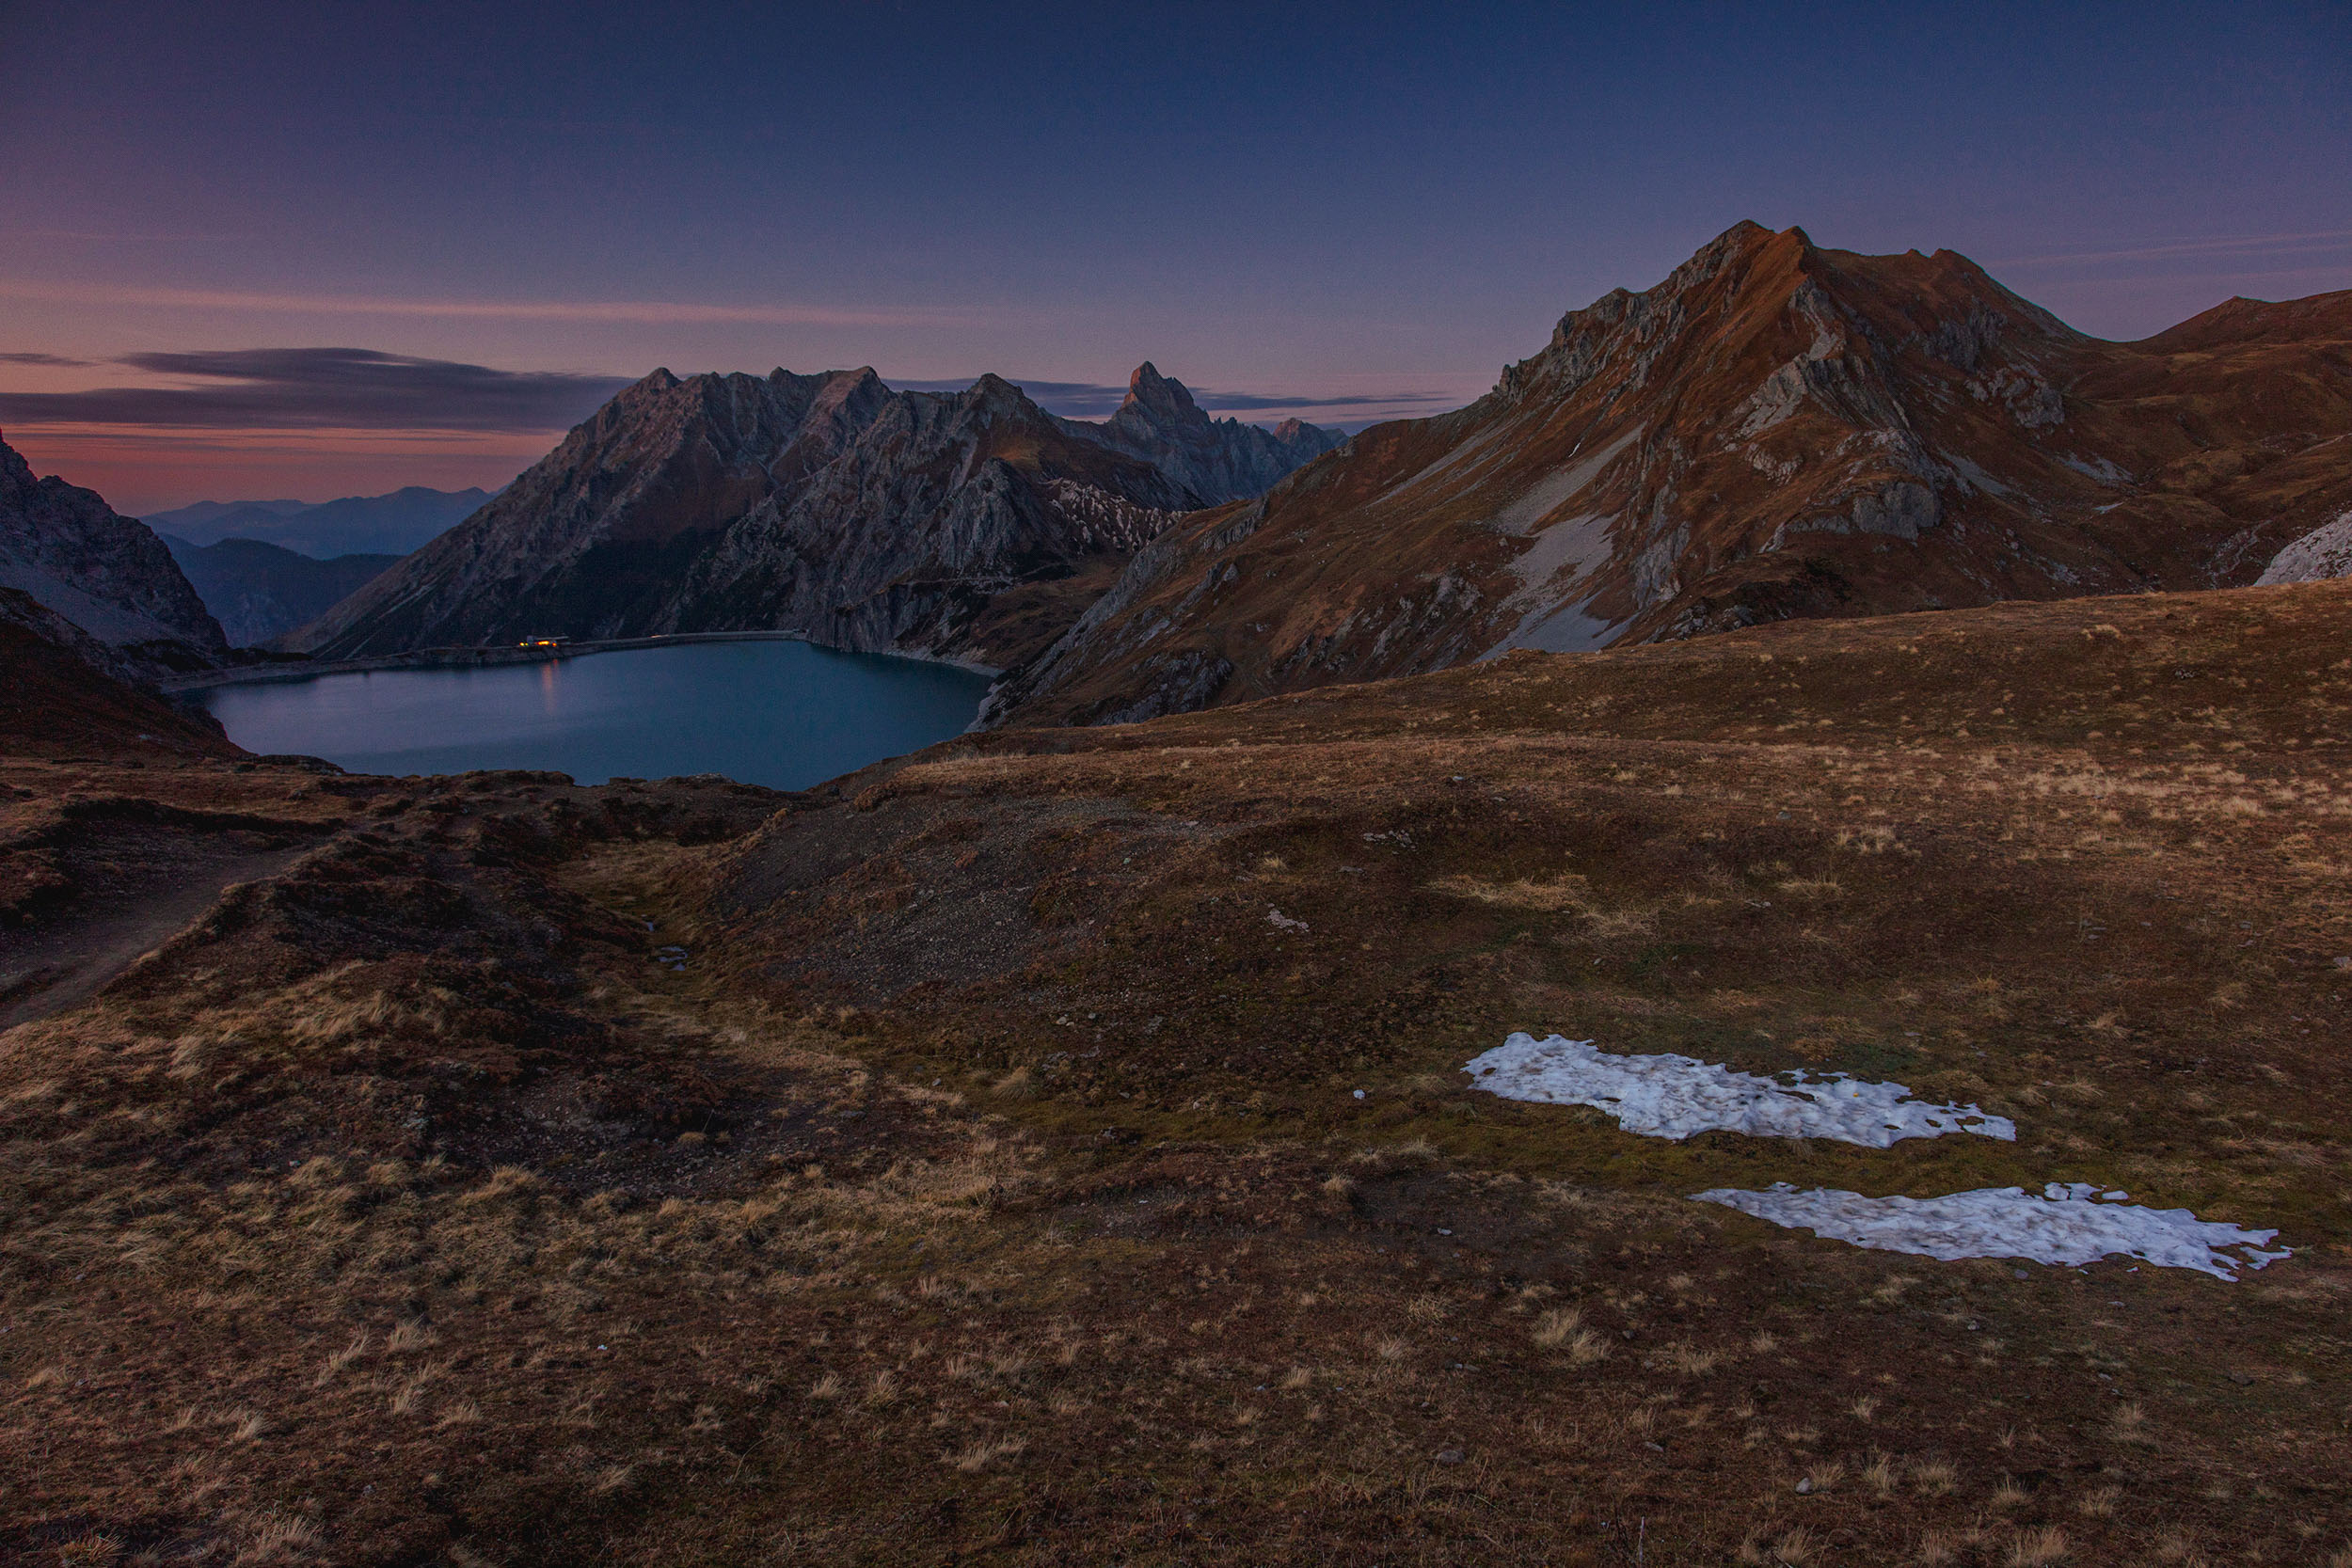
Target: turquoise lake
x=783, y=714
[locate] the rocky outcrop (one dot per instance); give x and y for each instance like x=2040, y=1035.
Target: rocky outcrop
x=109, y=575
x=259, y=590
x=972, y=525
x=1217, y=460
x=2324, y=553
x=1776, y=429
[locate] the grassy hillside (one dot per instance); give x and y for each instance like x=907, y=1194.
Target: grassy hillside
x=965, y=1163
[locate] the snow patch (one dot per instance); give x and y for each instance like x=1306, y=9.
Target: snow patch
x=1555, y=489
x=2101, y=468
x=1673, y=1097
x=2071, y=1222
x=1569, y=628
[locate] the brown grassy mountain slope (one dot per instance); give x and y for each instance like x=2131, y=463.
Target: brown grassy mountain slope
x=1776, y=429
x=987, y=1174
x=64, y=693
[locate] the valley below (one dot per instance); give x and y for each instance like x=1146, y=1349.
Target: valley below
x=1053, y=1146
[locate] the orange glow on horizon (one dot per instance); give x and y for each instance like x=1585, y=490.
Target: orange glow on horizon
x=144, y=470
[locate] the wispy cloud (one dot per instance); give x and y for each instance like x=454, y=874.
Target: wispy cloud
x=355, y=390
x=639, y=310
x=2243, y=245
x=297, y=388
x=1084, y=400
x=119, y=236
x=1223, y=401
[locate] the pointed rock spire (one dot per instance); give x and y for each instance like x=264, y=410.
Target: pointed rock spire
x=1166, y=400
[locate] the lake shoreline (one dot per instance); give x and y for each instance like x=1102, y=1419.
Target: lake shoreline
x=492, y=657
x=774, y=710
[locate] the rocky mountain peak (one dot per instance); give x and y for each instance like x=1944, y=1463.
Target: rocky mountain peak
x=107, y=574
x=1775, y=429
x=1218, y=460
x=1168, y=402
x=992, y=394
x=855, y=395
x=828, y=503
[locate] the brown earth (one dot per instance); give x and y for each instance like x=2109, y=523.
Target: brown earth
x=981, y=1177
x=55, y=702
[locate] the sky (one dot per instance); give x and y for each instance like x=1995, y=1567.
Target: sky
x=314, y=250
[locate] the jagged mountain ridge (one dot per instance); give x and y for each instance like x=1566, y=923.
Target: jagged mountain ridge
x=970, y=525
x=108, y=574
x=1217, y=460
x=1775, y=430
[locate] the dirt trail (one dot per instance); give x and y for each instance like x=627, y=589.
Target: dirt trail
x=64, y=962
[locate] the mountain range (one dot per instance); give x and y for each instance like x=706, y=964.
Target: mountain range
x=1778, y=430
x=392, y=524
x=1775, y=430
x=259, y=590
x=972, y=525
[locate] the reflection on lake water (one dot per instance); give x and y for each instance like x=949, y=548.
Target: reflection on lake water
x=784, y=714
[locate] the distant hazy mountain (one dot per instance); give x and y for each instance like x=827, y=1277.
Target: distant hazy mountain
x=192, y=518
x=258, y=591
x=396, y=524
x=106, y=573
x=972, y=524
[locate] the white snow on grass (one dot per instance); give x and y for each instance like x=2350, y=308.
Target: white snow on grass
x=1673, y=1097
x=2071, y=1222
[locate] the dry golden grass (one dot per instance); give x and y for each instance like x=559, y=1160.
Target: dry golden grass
x=980, y=1455
x=1558, y=1326
x=2038, y=1548
x=1935, y=1477
x=2099, y=1503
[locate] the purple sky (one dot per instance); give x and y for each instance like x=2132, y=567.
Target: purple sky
x=1342, y=212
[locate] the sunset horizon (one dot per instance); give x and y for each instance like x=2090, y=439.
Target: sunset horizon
x=649, y=196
